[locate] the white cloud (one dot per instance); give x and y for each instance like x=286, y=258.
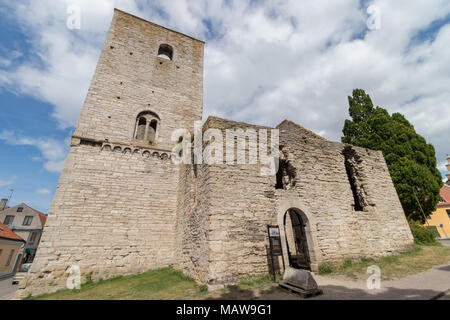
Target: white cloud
x=8, y=182
x=53, y=152
x=43, y=191
x=264, y=61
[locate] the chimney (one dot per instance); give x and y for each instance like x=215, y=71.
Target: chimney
x=3, y=203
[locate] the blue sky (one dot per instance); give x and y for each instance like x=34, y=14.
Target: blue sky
x=264, y=61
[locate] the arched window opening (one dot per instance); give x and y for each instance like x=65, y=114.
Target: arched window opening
x=152, y=130
x=165, y=51
x=142, y=124
x=147, y=127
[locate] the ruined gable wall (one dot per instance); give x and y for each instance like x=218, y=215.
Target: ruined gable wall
x=243, y=202
x=323, y=188
x=383, y=225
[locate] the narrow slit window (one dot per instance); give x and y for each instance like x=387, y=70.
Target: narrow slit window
x=351, y=162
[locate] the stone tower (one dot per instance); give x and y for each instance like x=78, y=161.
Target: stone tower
x=114, y=210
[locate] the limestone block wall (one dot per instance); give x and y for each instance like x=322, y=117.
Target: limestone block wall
x=113, y=214
x=383, y=226
x=193, y=221
x=242, y=202
x=324, y=192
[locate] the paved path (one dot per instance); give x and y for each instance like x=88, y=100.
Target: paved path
x=422, y=286
x=7, y=290
x=445, y=242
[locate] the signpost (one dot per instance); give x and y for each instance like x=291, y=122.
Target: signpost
x=275, y=246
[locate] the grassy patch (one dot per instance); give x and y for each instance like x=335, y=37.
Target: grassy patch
x=327, y=268
x=163, y=284
x=259, y=281
x=170, y=284
x=420, y=259
x=166, y=283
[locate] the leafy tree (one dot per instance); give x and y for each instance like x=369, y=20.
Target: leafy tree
x=410, y=159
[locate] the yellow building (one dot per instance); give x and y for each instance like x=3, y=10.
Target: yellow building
x=11, y=251
x=441, y=217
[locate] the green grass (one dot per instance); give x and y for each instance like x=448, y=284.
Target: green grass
x=419, y=259
x=258, y=282
x=171, y=284
x=166, y=283
x=162, y=284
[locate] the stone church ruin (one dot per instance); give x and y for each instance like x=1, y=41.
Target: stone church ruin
x=122, y=206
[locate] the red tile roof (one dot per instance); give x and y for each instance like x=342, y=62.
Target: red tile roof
x=7, y=233
x=445, y=194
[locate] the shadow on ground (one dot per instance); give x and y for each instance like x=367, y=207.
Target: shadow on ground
x=444, y=268
x=237, y=293
x=332, y=292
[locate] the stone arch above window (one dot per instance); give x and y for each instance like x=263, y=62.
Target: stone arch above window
x=147, y=124
x=165, y=51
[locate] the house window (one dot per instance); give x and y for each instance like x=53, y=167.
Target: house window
x=1, y=251
x=19, y=209
x=27, y=220
x=8, y=220
x=32, y=237
x=165, y=51
x=448, y=213
x=9, y=258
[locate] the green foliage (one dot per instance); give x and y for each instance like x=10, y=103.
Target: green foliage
x=326, y=268
x=166, y=283
x=258, y=281
x=421, y=234
x=347, y=263
x=410, y=159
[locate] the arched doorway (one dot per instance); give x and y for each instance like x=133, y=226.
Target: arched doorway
x=296, y=240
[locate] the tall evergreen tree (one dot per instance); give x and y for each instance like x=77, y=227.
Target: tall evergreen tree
x=410, y=159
